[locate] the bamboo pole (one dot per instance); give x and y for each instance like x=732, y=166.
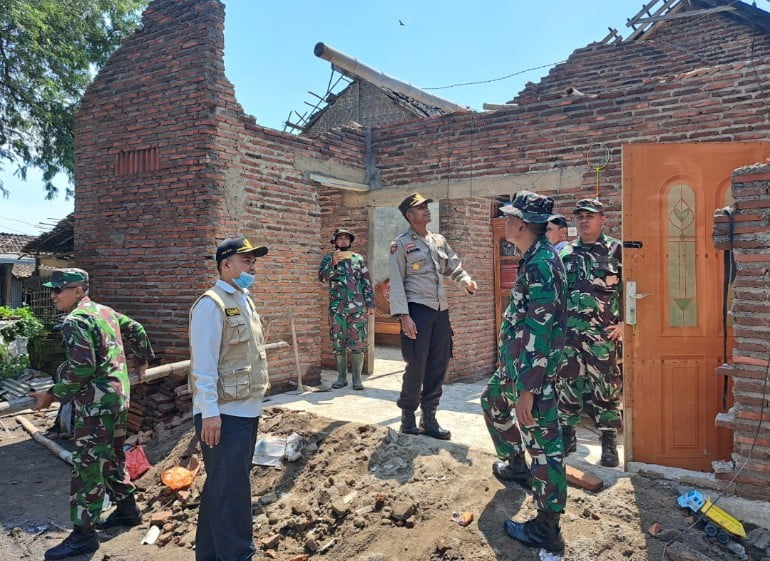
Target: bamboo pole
x=38, y=436
x=296, y=356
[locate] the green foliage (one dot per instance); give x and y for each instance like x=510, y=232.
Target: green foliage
x=50, y=50
x=13, y=367
x=26, y=326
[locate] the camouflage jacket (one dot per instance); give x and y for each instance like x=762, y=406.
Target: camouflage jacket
x=96, y=376
x=594, y=274
x=350, y=286
x=531, y=340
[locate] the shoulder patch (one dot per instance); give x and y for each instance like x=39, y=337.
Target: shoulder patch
x=393, y=248
x=232, y=311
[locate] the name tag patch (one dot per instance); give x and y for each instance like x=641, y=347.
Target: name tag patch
x=232, y=311
x=408, y=251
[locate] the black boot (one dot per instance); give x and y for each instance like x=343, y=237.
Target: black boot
x=408, y=423
x=429, y=425
x=81, y=540
x=127, y=514
x=609, y=450
x=569, y=439
x=542, y=531
x=515, y=470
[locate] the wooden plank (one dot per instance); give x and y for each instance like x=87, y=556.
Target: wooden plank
x=583, y=479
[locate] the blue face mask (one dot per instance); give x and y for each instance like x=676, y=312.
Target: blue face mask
x=244, y=280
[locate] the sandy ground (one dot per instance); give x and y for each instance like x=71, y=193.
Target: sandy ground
x=358, y=492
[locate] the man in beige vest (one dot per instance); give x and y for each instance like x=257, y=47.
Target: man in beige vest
x=228, y=378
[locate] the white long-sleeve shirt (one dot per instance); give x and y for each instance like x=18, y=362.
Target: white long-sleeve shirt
x=205, y=340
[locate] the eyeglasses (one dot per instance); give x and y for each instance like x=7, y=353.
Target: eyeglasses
x=58, y=289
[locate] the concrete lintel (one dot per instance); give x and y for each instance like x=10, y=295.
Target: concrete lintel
x=328, y=168
x=337, y=183
x=483, y=186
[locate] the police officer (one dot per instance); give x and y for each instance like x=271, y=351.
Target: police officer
x=351, y=302
x=95, y=379
x=520, y=401
x=228, y=378
x=419, y=260
x=593, y=263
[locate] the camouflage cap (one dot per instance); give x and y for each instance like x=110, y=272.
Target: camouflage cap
x=339, y=231
x=590, y=205
x=559, y=219
x=241, y=244
x=64, y=278
x=413, y=200
x=530, y=207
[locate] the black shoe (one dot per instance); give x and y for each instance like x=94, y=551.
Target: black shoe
x=514, y=470
x=542, y=531
x=80, y=541
x=127, y=514
x=408, y=423
x=569, y=439
x=430, y=427
x=609, y=450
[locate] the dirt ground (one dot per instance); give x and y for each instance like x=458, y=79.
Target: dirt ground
x=358, y=492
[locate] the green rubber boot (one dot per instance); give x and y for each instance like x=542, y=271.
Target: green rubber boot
x=342, y=370
x=357, y=361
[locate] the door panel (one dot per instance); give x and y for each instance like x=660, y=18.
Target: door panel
x=670, y=192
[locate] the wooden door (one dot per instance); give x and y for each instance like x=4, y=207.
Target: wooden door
x=670, y=192
x=506, y=264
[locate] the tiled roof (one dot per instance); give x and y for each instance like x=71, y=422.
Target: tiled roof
x=13, y=243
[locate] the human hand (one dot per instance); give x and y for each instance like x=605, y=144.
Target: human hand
x=140, y=370
x=336, y=257
x=470, y=286
x=615, y=332
x=211, y=430
x=370, y=312
x=408, y=326
x=43, y=399
x=524, y=408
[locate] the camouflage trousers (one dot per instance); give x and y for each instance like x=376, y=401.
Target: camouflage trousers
x=98, y=466
x=543, y=440
x=348, y=331
x=590, y=367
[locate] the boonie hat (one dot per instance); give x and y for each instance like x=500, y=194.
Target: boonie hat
x=591, y=205
x=413, y=200
x=241, y=244
x=339, y=231
x=530, y=207
x=63, y=278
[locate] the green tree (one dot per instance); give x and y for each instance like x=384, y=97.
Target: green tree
x=50, y=50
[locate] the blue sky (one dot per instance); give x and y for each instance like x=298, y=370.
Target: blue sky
x=269, y=58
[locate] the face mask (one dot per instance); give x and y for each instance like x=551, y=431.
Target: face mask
x=244, y=280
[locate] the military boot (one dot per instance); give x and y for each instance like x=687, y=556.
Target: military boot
x=515, y=469
x=357, y=361
x=81, y=540
x=569, y=439
x=126, y=514
x=342, y=370
x=429, y=425
x=542, y=531
x=408, y=423
x=609, y=450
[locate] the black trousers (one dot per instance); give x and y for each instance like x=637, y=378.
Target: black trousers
x=224, y=531
x=427, y=358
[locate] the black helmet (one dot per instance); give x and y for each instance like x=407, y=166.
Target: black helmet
x=339, y=231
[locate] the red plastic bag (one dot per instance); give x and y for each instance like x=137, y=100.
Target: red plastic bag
x=136, y=462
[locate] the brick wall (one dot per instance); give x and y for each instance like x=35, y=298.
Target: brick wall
x=749, y=417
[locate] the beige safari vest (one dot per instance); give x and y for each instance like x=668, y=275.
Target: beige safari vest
x=242, y=368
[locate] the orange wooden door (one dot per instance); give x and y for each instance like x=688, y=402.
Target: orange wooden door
x=670, y=192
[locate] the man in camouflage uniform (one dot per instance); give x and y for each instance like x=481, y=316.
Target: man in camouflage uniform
x=419, y=261
x=593, y=265
x=96, y=381
x=520, y=402
x=351, y=302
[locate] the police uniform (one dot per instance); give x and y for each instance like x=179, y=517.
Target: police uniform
x=530, y=346
x=418, y=266
x=594, y=274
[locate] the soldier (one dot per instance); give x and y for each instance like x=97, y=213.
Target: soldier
x=95, y=379
x=228, y=378
x=419, y=260
x=593, y=264
x=520, y=401
x=351, y=302
x=556, y=232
